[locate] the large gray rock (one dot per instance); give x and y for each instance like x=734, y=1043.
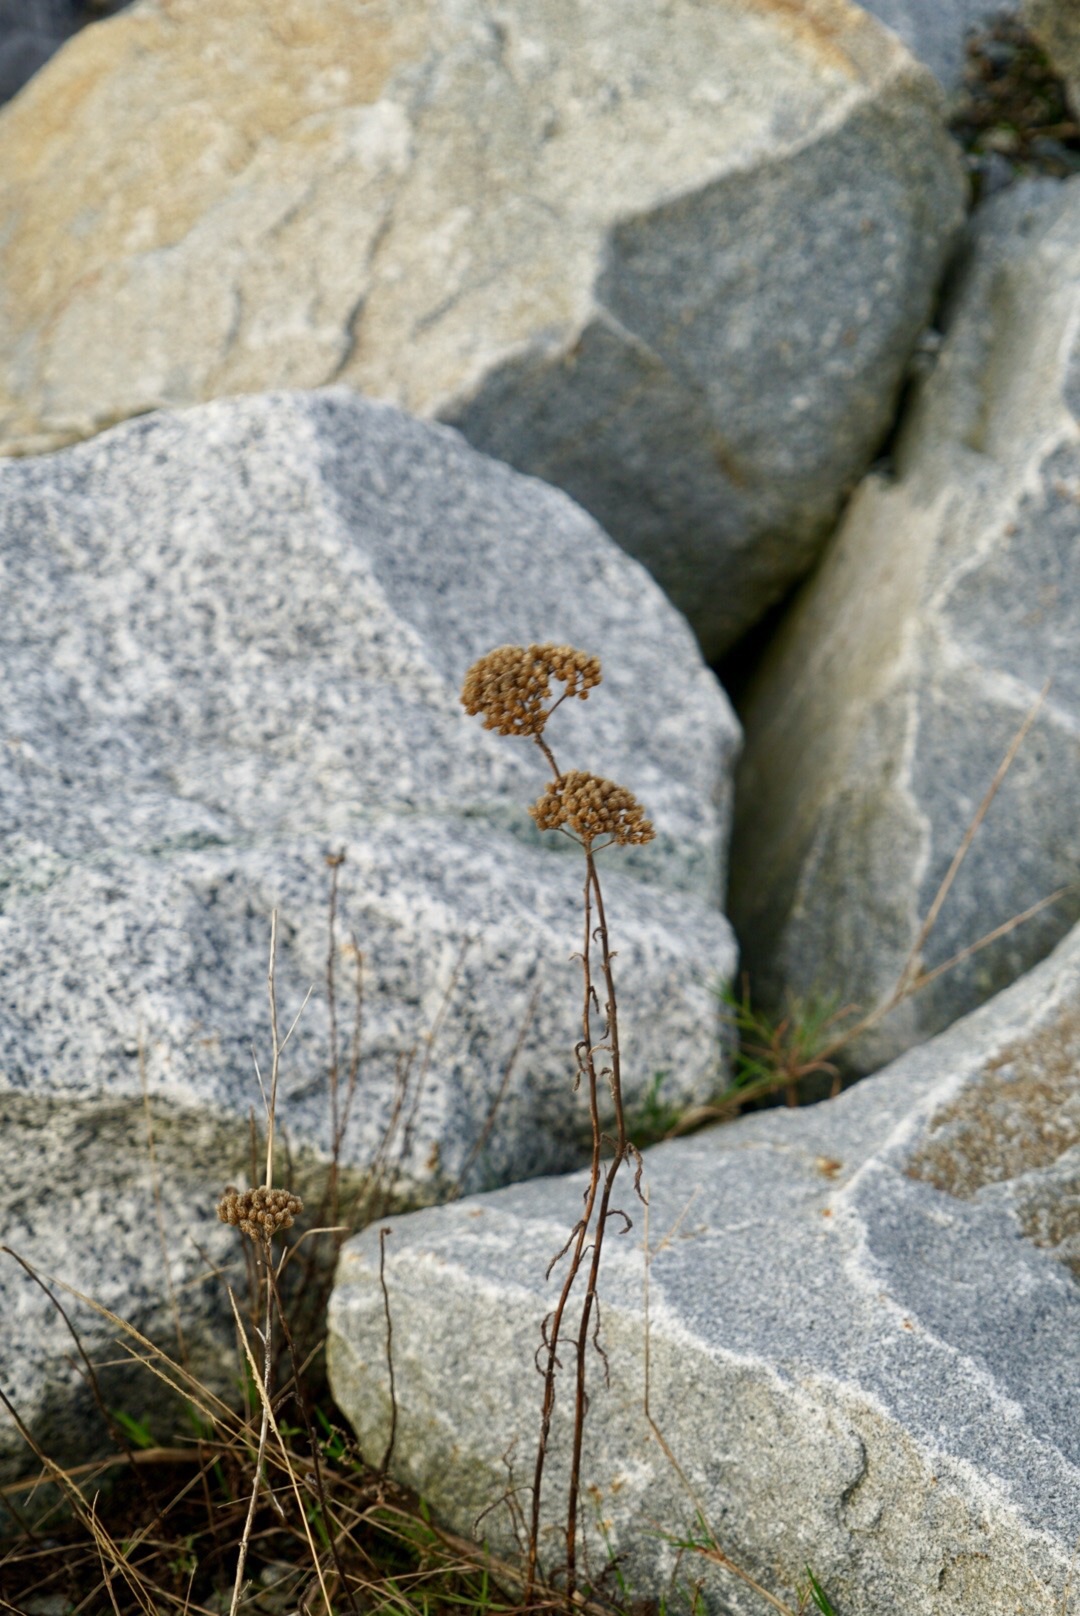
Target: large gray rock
x=232, y=641
x=862, y=1337
x=894, y=686
x=606, y=242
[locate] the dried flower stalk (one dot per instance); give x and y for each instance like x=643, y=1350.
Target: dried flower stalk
x=511, y=687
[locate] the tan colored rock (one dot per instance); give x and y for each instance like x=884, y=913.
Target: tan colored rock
x=673, y=260
x=894, y=686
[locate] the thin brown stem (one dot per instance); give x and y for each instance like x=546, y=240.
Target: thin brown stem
x=615, y=1079
x=586, y=1066
x=276, y=1061
x=313, y=1444
x=264, y=1428
x=335, y=861
x=548, y=753
x=391, y=1439
x=612, y=1004
x=355, y=1047
x=911, y=969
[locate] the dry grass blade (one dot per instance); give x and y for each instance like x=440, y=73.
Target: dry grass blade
x=926, y=977
x=93, y=1468
x=774, y=1055
x=189, y=1386
x=286, y=1459
x=60, y=1477
x=105, y=1576
x=911, y=965
x=263, y=1387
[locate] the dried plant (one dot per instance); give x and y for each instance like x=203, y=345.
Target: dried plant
x=262, y=1213
x=510, y=687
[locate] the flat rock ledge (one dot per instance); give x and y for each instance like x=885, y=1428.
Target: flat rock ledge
x=232, y=643
x=606, y=242
x=863, y=1322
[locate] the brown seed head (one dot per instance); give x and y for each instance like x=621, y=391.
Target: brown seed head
x=592, y=807
x=511, y=684
x=259, y=1212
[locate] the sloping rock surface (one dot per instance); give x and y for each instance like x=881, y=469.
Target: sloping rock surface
x=232, y=642
x=862, y=1328
x=893, y=688
x=605, y=241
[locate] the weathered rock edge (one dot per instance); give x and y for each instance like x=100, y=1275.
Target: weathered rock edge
x=862, y=1341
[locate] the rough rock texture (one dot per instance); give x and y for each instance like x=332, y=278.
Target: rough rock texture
x=935, y=31
x=863, y=1333
x=893, y=688
x=605, y=241
x=1056, y=24
x=232, y=641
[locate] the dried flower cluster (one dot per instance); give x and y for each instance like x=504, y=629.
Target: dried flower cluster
x=259, y=1212
x=511, y=684
x=592, y=806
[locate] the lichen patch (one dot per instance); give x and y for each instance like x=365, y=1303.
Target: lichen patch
x=1019, y=1116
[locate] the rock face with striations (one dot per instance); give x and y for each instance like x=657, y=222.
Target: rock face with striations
x=863, y=1322
x=891, y=692
x=232, y=642
x=606, y=242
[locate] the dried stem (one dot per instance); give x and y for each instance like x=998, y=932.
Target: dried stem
x=621, y=1151
x=912, y=976
x=264, y=1428
x=508, y=686
x=600, y=1188
x=335, y=861
x=577, y=1241
x=911, y=970
x=276, y=1063
x=313, y=1444
x=392, y=1438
